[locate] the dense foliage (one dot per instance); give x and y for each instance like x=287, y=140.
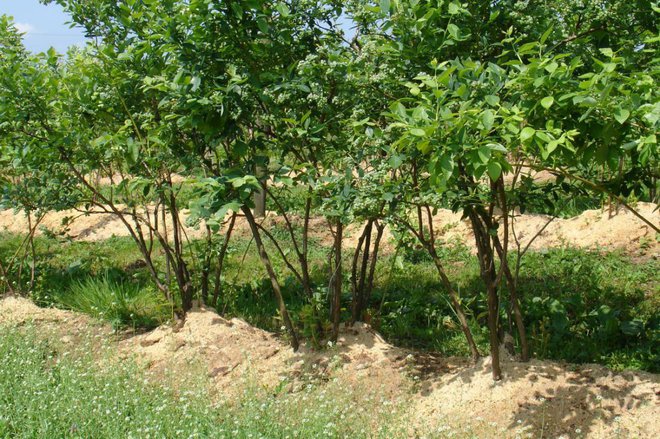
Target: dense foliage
x=430, y=104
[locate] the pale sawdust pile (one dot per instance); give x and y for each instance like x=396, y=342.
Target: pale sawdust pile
x=617, y=229
x=446, y=395
x=594, y=229
x=69, y=328
x=544, y=399
x=18, y=311
x=229, y=350
x=233, y=353
x=94, y=225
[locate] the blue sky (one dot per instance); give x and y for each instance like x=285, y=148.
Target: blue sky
x=45, y=26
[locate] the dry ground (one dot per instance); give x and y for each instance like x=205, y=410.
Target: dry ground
x=535, y=399
x=606, y=228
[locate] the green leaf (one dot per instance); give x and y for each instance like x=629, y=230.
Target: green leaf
x=630, y=145
x=454, y=8
x=424, y=147
x=395, y=161
x=283, y=9
x=222, y=212
x=445, y=113
x=494, y=170
x=419, y=114
x=550, y=68
x=543, y=137
x=496, y=147
x=527, y=133
x=447, y=165
x=195, y=82
x=418, y=132
x=487, y=119
x=133, y=151
x=552, y=145
x=484, y=154
x=385, y=6
x=492, y=100
x=399, y=109
x=462, y=91
x=609, y=67
x=238, y=182
x=621, y=115
x=545, y=35
x=453, y=31
x=238, y=11
x=607, y=52
x=262, y=24
x=547, y=102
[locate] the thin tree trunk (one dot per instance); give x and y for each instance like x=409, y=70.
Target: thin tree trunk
x=337, y=279
x=106, y=204
x=374, y=260
x=515, y=305
x=301, y=253
x=502, y=249
x=260, y=195
x=458, y=308
x=358, y=302
x=304, y=263
x=5, y=279
x=273, y=278
x=512, y=283
x=489, y=276
x=429, y=245
x=221, y=260
x=493, y=307
x=354, y=277
x=206, y=267
x=168, y=265
x=180, y=268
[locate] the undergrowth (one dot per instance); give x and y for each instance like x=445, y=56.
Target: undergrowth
x=121, y=303
x=579, y=305
x=48, y=391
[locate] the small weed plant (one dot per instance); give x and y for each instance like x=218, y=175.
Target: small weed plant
x=48, y=391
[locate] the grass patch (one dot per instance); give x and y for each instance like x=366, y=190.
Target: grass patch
x=579, y=305
x=121, y=303
x=49, y=392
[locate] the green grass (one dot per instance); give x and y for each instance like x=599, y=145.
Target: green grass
x=48, y=391
x=579, y=306
x=122, y=303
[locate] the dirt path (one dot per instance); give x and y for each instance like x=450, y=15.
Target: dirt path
x=445, y=396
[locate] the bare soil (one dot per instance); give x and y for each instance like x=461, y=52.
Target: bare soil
x=594, y=229
x=445, y=395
